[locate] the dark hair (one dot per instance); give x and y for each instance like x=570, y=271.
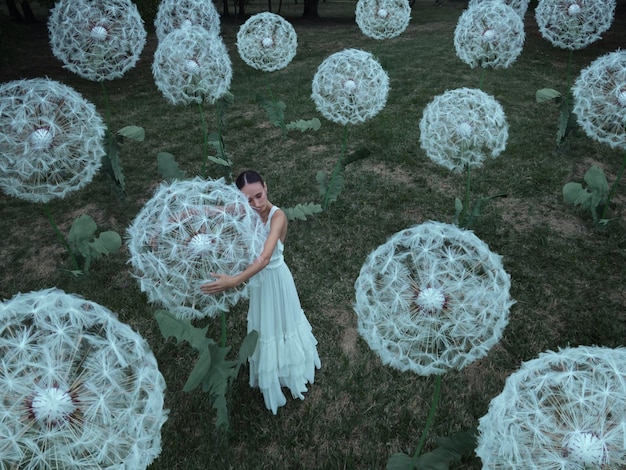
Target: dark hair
x=248, y=177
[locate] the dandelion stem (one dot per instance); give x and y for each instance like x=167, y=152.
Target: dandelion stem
x=339, y=166
x=614, y=187
x=60, y=235
x=223, y=329
x=429, y=420
x=205, y=141
x=482, y=78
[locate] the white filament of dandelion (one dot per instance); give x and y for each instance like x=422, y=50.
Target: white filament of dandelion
x=52, y=405
x=586, y=449
x=573, y=9
x=621, y=96
x=42, y=138
x=99, y=33
x=431, y=300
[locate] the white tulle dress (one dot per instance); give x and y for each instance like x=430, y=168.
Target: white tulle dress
x=286, y=351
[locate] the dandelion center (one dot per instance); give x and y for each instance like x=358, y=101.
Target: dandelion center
x=382, y=13
x=42, y=138
x=573, y=9
x=586, y=449
x=267, y=42
x=192, y=66
x=52, y=406
x=431, y=300
x=186, y=23
x=201, y=243
x=489, y=35
x=350, y=86
x=99, y=33
x=464, y=130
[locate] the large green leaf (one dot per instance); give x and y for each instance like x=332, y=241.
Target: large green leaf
x=199, y=372
x=182, y=330
x=275, y=111
x=83, y=230
x=399, y=461
x=107, y=242
x=135, y=133
x=302, y=211
x=168, y=168
x=546, y=94
x=112, y=163
x=304, y=125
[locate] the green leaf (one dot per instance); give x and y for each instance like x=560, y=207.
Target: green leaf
x=547, y=94
x=219, y=161
x=302, y=211
x=248, y=345
x=275, y=111
x=112, y=163
x=182, y=330
x=302, y=125
x=82, y=231
x=596, y=181
x=458, y=209
x=450, y=449
x=321, y=181
x=135, y=133
x=399, y=461
x=107, y=242
x=199, y=372
x=574, y=193
x=168, y=168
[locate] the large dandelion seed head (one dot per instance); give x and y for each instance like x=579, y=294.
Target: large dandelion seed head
x=174, y=14
x=563, y=410
x=97, y=40
x=267, y=42
x=192, y=65
x=350, y=87
x=574, y=24
x=520, y=6
x=432, y=298
x=188, y=230
x=489, y=34
x=463, y=127
x=51, y=140
x=600, y=99
x=80, y=389
x=383, y=19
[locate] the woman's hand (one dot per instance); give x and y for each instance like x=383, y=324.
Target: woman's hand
x=223, y=282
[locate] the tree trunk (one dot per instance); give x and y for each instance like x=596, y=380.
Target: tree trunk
x=242, y=8
x=225, y=11
x=310, y=9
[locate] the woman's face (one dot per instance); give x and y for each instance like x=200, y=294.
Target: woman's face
x=257, y=197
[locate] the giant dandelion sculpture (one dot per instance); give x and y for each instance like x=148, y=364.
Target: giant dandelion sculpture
x=266, y=41
x=489, y=35
x=431, y=299
x=174, y=14
x=384, y=19
x=599, y=96
x=562, y=410
x=459, y=130
x=191, y=65
x=186, y=231
x=78, y=388
x=349, y=87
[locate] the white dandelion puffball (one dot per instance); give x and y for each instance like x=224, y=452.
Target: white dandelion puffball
x=188, y=230
x=192, y=65
x=489, y=34
x=383, y=19
x=174, y=14
x=432, y=298
x=350, y=87
x=78, y=388
x=462, y=127
x=520, y=6
x=51, y=140
x=267, y=42
x=574, y=24
x=600, y=99
x=561, y=410
x=97, y=40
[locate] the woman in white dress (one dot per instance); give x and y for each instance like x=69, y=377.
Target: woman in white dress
x=286, y=352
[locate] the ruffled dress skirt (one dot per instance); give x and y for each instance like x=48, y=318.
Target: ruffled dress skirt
x=286, y=352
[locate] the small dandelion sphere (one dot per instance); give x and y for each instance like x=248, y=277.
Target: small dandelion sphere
x=192, y=65
x=51, y=140
x=432, y=298
x=563, y=409
x=520, y=6
x=574, y=24
x=80, y=389
x=174, y=14
x=267, y=42
x=463, y=127
x=383, y=19
x=489, y=34
x=97, y=40
x=188, y=230
x=600, y=99
x=350, y=87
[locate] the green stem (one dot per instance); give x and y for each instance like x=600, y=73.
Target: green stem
x=429, y=420
x=205, y=141
x=107, y=106
x=337, y=170
x=482, y=78
x=220, y=141
x=223, y=329
x=614, y=187
x=60, y=235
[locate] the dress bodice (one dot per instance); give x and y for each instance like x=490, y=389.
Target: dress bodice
x=277, y=255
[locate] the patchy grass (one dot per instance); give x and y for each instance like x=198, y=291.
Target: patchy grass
x=567, y=276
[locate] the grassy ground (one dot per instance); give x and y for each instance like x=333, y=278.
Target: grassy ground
x=567, y=276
